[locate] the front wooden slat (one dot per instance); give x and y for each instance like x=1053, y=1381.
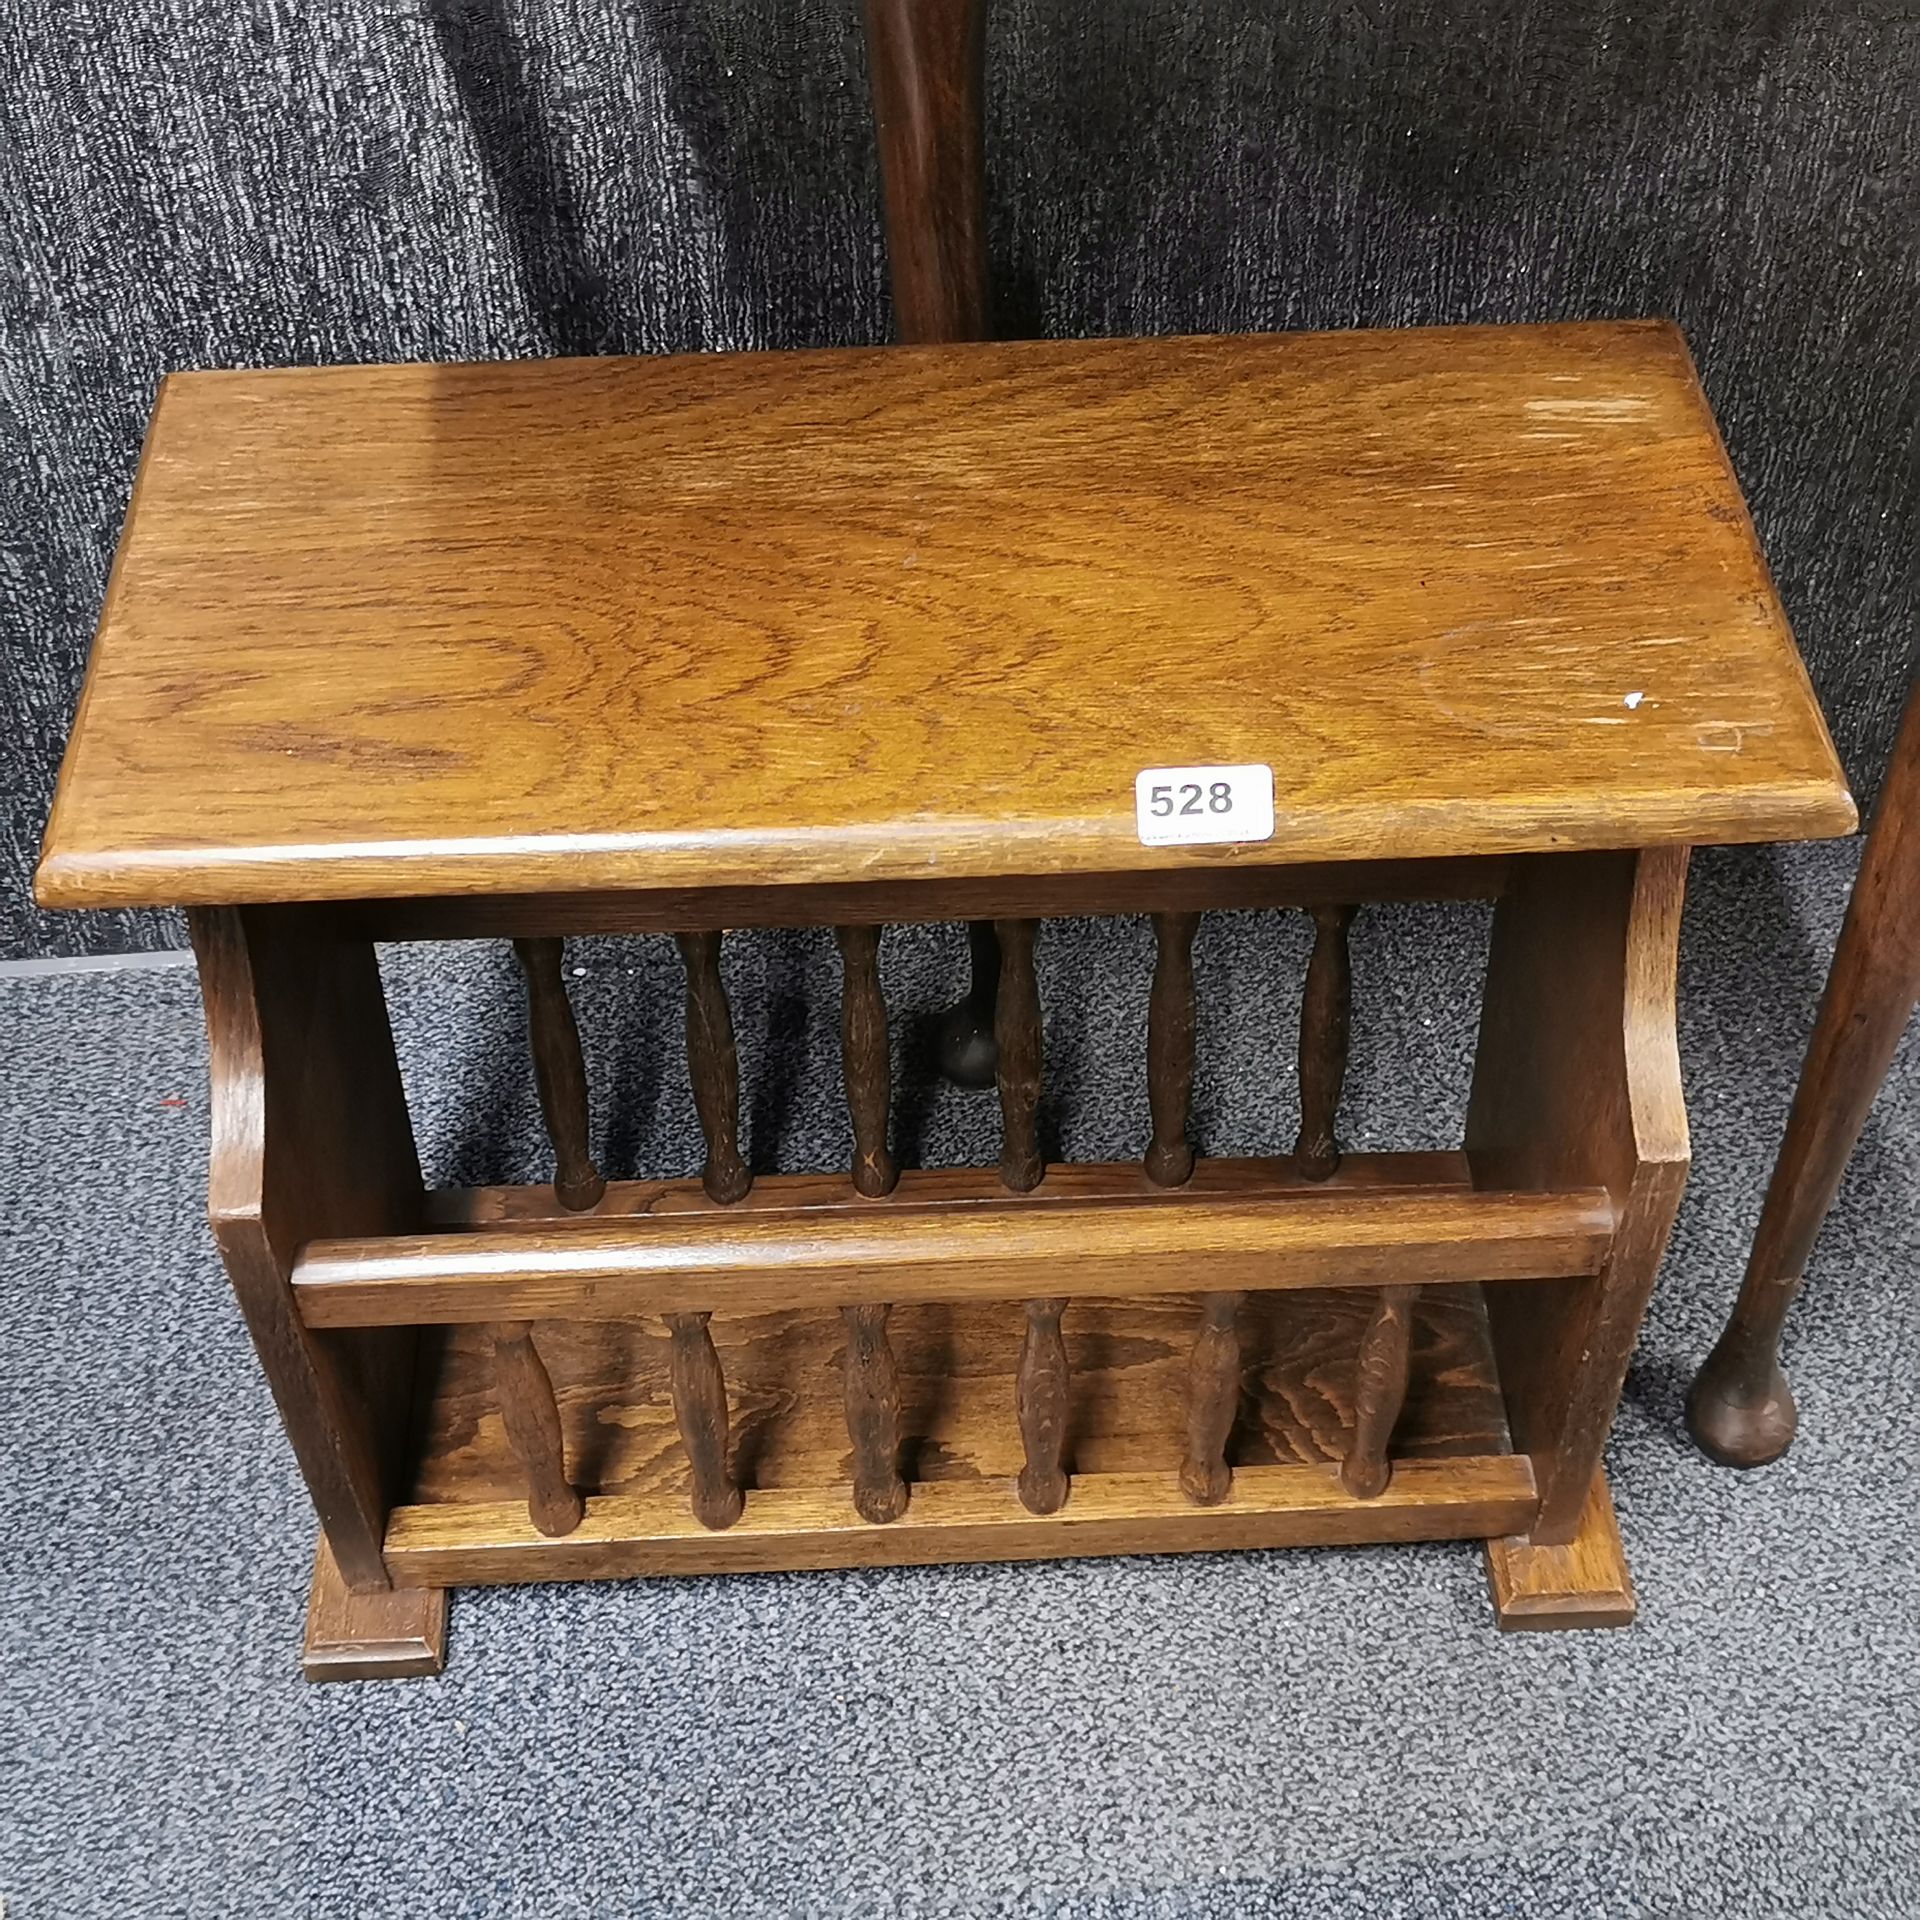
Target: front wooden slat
x=624, y=1535
x=691, y=1263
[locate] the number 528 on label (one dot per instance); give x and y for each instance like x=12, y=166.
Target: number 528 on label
x=1196, y=806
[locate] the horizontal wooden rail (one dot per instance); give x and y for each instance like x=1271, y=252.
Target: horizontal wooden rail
x=624, y=1535
x=1203, y=887
x=732, y=1261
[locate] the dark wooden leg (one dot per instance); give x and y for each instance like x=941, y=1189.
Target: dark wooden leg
x=1741, y=1409
x=396, y=1633
x=926, y=61
x=1018, y=1041
x=560, y=1073
x=965, y=1045
x=1326, y=1008
x=1577, y=1083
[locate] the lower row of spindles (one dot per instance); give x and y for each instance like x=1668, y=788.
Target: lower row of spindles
x=871, y=1379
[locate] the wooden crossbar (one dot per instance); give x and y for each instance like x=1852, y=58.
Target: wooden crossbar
x=723, y=1261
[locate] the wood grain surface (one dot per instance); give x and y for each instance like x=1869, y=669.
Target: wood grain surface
x=923, y=613
x=735, y=1261
x=1584, y=1583
x=625, y=1536
x=957, y=1376
x=392, y=1634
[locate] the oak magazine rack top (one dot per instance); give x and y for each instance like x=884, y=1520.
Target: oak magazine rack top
x=859, y=637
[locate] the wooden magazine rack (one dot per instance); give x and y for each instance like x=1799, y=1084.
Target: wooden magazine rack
x=858, y=638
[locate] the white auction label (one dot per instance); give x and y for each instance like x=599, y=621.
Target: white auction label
x=1197, y=806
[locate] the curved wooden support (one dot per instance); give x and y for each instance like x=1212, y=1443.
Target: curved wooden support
x=1170, y=1020
x=1325, y=1017
x=532, y=1419
x=1577, y=1083
x=1380, y=1390
x=560, y=1073
x=865, y=1064
x=1043, y=1387
x=311, y=1139
x=700, y=1412
x=1741, y=1409
x=1213, y=1400
x=1016, y=1032
x=873, y=1415
x=714, y=1067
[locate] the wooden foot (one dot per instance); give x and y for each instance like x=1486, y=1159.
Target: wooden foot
x=1583, y=1584
x=371, y=1636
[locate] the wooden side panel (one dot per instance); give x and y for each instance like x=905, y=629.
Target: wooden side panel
x=310, y=1138
x=1578, y=1080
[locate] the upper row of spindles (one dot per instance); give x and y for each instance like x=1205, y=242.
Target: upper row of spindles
x=713, y=1064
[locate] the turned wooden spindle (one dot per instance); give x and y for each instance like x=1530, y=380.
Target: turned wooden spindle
x=1016, y=1033
x=1213, y=1399
x=560, y=1073
x=872, y=1382
x=531, y=1416
x=1380, y=1388
x=1325, y=1014
x=1042, y=1390
x=714, y=1068
x=1170, y=1049
x=865, y=1065
x=700, y=1412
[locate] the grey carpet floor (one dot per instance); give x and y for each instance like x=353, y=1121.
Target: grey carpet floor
x=1299, y=1733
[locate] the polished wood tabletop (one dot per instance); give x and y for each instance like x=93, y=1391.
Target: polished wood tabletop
x=926, y=612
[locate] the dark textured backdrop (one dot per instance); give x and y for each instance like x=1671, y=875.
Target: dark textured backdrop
x=204, y=183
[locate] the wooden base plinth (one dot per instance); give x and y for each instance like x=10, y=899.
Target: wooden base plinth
x=1582, y=1584
x=397, y=1635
